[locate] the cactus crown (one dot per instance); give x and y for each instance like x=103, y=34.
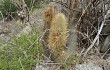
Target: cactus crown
x=48, y=15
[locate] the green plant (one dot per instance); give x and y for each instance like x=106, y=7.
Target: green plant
x=35, y=4
x=7, y=8
x=20, y=53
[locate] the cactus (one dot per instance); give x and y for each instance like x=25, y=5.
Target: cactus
x=49, y=13
x=55, y=38
x=58, y=37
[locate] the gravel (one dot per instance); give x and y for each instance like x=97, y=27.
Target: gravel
x=88, y=66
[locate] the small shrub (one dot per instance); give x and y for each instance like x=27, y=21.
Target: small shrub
x=9, y=9
x=36, y=4
x=20, y=53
